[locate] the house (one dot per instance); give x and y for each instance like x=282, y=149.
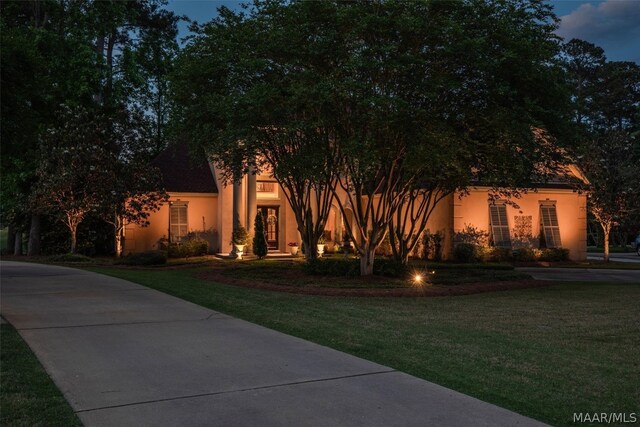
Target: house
x=552, y=216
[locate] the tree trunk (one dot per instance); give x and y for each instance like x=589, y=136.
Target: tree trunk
x=73, y=240
x=33, y=249
x=11, y=237
x=17, y=247
x=118, y=242
x=606, y=228
x=366, y=261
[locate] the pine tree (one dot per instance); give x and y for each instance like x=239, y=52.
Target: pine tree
x=259, y=241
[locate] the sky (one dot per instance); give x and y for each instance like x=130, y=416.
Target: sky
x=614, y=25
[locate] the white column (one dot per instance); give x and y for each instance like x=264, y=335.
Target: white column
x=252, y=207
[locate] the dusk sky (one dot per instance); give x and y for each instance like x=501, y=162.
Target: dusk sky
x=613, y=25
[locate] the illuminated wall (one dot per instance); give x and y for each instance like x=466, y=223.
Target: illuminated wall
x=201, y=214
x=570, y=206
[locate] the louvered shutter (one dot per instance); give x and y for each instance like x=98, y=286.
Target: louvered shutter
x=499, y=225
x=550, y=226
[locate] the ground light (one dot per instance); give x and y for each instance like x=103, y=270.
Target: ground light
x=421, y=277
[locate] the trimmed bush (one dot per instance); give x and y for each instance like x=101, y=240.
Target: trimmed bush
x=525, y=254
x=144, y=258
x=70, y=258
x=188, y=248
x=494, y=254
x=389, y=267
x=351, y=267
x=260, y=248
x=332, y=267
x=554, y=254
x=465, y=252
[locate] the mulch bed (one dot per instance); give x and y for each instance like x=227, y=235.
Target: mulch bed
x=413, y=291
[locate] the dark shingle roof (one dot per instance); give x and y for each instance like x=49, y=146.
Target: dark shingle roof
x=182, y=172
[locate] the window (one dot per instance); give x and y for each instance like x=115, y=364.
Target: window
x=178, y=222
x=549, y=227
x=499, y=225
x=266, y=190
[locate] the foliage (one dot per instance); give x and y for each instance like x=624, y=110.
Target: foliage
x=431, y=244
x=494, y=254
x=260, y=248
x=471, y=234
x=606, y=103
x=144, y=258
x=465, y=252
x=332, y=267
x=109, y=59
x=191, y=246
x=74, y=168
x=240, y=236
x=70, y=258
x=350, y=267
x=554, y=254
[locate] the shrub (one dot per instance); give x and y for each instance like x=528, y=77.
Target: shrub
x=554, y=254
x=493, y=254
x=71, y=258
x=259, y=242
x=465, y=252
x=471, y=234
x=144, y=258
x=526, y=254
x=188, y=248
x=332, y=267
x=240, y=236
x=389, y=267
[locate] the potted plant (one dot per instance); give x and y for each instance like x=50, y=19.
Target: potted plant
x=239, y=239
x=321, y=242
x=293, y=248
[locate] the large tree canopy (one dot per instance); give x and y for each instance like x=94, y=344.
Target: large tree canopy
x=109, y=59
x=380, y=101
x=606, y=104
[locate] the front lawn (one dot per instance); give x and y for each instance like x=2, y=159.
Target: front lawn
x=544, y=352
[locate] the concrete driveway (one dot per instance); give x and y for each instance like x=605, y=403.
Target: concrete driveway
x=126, y=355
x=582, y=274
x=621, y=257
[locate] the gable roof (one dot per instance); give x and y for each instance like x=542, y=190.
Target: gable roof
x=185, y=173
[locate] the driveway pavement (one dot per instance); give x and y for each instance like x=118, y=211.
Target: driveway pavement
x=126, y=355
x=621, y=257
x=582, y=274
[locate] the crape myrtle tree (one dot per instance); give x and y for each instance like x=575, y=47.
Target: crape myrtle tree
x=134, y=189
x=89, y=166
x=419, y=119
x=252, y=89
x=375, y=104
x=74, y=169
x=606, y=101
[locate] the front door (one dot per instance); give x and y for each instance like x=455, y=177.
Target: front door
x=271, y=220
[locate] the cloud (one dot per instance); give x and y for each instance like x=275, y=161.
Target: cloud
x=613, y=24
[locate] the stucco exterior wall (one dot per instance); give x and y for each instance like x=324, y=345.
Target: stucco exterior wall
x=473, y=209
x=202, y=215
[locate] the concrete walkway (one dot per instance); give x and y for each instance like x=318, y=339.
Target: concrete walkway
x=126, y=355
x=582, y=274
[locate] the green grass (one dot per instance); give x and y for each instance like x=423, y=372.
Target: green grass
x=543, y=352
x=28, y=397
